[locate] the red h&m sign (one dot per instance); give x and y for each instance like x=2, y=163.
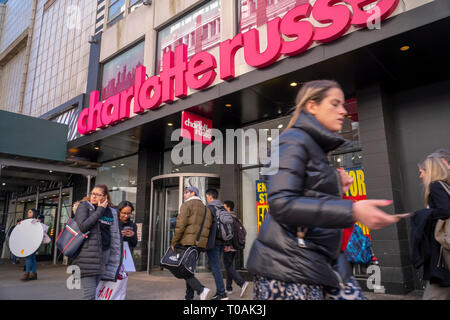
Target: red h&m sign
x=196, y=128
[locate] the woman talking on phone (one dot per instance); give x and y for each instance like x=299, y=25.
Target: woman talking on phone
x=306, y=194
x=100, y=256
x=127, y=227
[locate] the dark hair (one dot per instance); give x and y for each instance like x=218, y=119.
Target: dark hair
x=105, y=190
x=20, y=219
x=35, y=213
x=125, y=204
x=230, y=204
x=212, y=193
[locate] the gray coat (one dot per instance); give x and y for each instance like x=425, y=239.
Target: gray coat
x=91, y=257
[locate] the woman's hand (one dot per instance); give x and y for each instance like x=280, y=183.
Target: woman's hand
x=346, y=180
x=104, y=203
x=367, y=213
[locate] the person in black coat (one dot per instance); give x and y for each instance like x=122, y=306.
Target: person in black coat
x=306, y=192
x=426, y=251
x=100, y=256
x=128, y=228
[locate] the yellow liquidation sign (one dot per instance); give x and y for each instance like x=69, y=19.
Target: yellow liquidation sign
x=262, y=205
x=357, y=190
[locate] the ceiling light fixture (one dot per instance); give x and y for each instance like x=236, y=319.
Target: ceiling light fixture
x=170, y=124
x=280, y=126
x=405, y=48
x=97, y=148
x=294, y=84
x=228, y=105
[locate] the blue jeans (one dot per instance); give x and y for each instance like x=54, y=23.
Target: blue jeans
x=30, y=263
x=214, y=260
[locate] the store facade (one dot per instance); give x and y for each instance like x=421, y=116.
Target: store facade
x=239, y=65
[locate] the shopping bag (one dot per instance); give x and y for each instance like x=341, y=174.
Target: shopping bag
x=127, y=261
x=108, y=290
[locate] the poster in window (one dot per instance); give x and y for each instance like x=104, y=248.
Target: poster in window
x=262, y=205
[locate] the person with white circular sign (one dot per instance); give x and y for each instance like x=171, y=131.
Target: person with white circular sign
x=25, y=240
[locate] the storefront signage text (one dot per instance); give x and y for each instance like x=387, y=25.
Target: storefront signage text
x=196, y=128
x=200, y=71
x=262, y=205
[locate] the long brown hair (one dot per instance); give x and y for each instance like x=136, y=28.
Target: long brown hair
x=105, y=190
x=313, y=90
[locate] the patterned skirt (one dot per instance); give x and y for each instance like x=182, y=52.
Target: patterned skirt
x=269, y=289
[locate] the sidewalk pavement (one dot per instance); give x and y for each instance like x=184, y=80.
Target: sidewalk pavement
x=160, y=285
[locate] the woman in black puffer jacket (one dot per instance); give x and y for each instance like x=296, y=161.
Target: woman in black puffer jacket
x=100, y=256
x=306, y=192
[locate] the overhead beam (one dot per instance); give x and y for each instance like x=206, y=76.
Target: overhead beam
x=20, y=182
x=32, y=175
x=46, y=167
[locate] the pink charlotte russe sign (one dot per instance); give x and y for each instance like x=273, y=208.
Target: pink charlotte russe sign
x=196, y=128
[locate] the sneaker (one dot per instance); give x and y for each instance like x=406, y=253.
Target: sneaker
x=229, y=291
x=220, y=297
x=244, y=287
x=204, y=294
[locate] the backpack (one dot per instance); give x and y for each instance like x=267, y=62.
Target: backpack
x=224, y=224
x=239, y=232
x=359, y=249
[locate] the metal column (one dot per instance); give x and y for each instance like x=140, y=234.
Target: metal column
x=58, y=218
x=88, y=185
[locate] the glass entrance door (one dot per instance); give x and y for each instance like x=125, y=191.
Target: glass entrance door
x=166, y=200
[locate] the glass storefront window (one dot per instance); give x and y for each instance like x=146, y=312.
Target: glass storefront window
x=118, y=74
x=255, y=13
x=349, y=156
x=121, y=178
x=199, y=30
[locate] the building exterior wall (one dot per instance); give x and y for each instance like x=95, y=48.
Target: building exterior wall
x=10, y=79
x=17, y=20
x=147, y=21
x=59, y=54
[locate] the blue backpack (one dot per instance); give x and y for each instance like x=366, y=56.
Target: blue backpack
x=359, y=249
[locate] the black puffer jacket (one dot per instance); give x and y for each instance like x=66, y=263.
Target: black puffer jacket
x=90, y=259
x=306, y=192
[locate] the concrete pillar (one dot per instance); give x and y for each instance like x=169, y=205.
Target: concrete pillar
x=383, y=181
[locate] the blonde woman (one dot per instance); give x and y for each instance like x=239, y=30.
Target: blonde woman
x=307, y=192
x=426, y=250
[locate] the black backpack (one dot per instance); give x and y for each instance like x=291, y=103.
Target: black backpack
x=240, y=233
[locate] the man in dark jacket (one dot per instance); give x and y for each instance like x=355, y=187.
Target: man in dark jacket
x=192, y=229
x=216, y=245
x=228, y=258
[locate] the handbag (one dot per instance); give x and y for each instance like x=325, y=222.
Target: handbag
x=70, y=239
x=359, y=248
x=442, y=235
x=181, y=262
x=442, y=230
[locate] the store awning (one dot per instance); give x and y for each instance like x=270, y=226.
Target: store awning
x=32, y=137
x=33, y=152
